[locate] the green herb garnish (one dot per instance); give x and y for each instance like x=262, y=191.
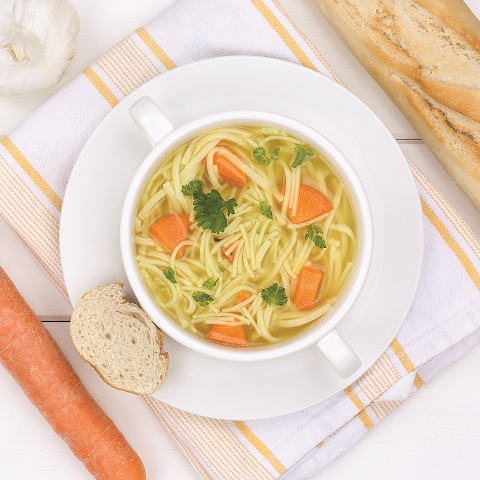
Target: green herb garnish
x=274, y=295
x=191, y=187
x=169, y=273
x=266, y=209
x=301, y=156
x=210, y=210
x=210, y=283
x=262, y=158
x=202, y=298
x=314, y=233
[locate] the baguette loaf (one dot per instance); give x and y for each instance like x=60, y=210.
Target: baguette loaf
x=426, y=55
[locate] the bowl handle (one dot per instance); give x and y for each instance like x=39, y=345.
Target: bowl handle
x=340, y=354
x=150, y=119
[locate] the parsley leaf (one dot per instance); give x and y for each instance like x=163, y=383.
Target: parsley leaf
x=274, y=295
x=301, y=156
x=261, y=157
x=191, y=187
x=210, y=283
x=169, y=273
x=314, y=233
x=266, y=209
x=202, y=298
x=210, y=210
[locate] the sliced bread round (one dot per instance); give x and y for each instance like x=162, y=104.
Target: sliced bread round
x=119, y=340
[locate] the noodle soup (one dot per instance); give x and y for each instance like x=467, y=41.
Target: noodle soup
x=244, y=235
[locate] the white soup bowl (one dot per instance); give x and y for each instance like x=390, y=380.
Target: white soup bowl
x=164, y=137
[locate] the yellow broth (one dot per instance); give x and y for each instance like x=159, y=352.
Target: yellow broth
x=264, y=251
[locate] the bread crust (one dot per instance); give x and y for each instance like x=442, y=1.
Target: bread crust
x=117, y=298
x=425, y=54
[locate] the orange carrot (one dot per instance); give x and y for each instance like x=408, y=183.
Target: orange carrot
x=228, y=171
x=242, y=296
x=307, y=288
x=35, y=361
x=169, y=231
x=228, y=334
x=231, y=255
x=311, y=204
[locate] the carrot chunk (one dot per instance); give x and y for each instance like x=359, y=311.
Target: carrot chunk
x=229, y=256
x=308, y=284
x=311, y=204
x=242, y=296
x=228, y=334
x=169, y=231
x=228, y=171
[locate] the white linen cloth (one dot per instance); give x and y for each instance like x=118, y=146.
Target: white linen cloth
x=443, y=322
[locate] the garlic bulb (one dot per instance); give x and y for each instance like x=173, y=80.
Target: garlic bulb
x=37, y=40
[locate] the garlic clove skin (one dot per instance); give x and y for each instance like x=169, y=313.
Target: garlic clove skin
x=37, y=40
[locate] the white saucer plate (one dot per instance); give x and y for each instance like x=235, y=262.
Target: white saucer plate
x=90, y=239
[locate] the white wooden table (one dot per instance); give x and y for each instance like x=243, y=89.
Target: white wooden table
x=435, y=435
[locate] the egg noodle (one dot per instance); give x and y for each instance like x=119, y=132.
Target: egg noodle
x=253, y=252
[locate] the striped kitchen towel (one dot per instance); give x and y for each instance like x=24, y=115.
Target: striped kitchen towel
x=34, y=172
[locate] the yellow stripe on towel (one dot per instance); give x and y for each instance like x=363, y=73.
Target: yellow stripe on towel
x=101, y=86
x=196, y=464
x=156, y=49
x=283, y=33
x=362, y=415
x=30, y=170
x=460, y=226
x=355, y=399
x=309, y=43
x=366, y=420
x=406, y=362
x=135, y=49
x=402, y=356
x=452, y=243
x=260, y=446
x=418, y=382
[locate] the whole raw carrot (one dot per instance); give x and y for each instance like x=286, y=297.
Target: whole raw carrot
x=35, y=361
